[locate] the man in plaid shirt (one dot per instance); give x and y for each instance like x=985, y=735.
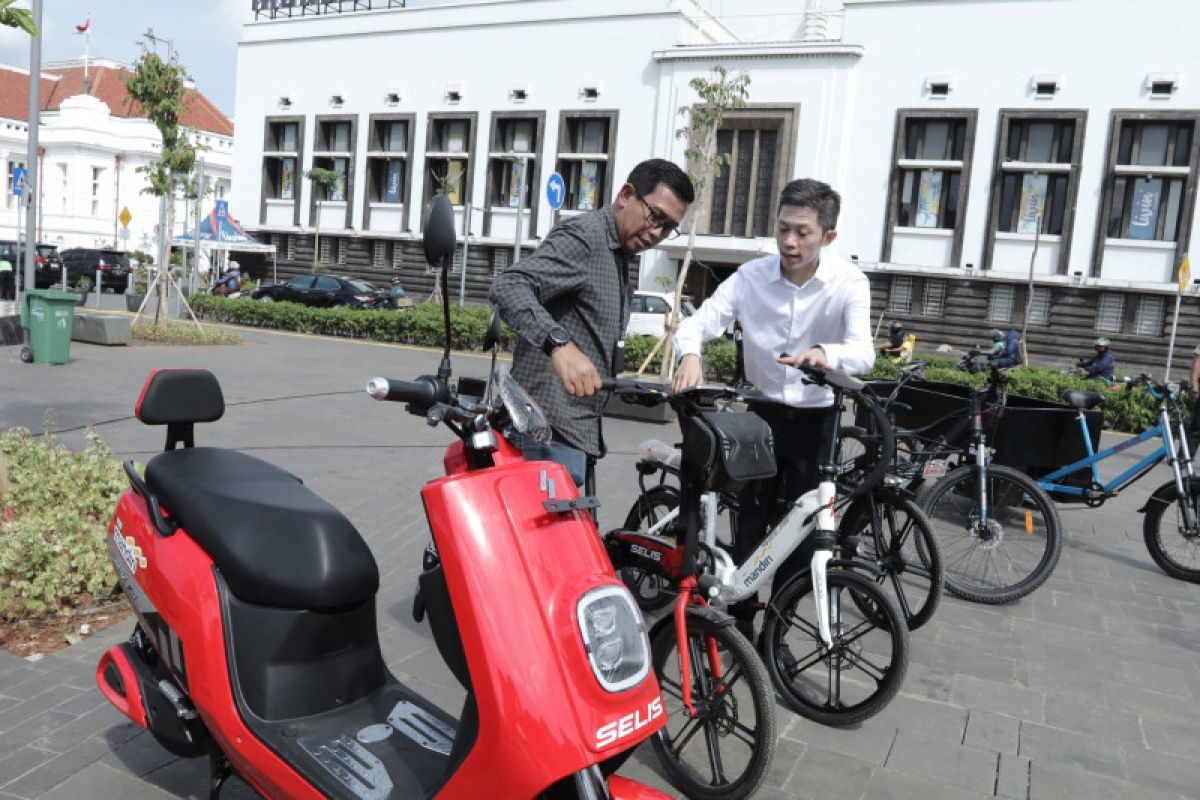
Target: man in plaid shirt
x=568, y=303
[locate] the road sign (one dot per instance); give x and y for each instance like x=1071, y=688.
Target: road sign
x=556, y=190
x=18, y=184
x=125, y=217
x=222, y=209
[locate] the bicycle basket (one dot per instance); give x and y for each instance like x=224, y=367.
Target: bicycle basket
x=722, y=450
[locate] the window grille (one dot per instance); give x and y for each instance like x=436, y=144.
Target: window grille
x=1148, y=321
x=1000, y=303
x=933, y=303
x=900, y=295
x=1110, y=313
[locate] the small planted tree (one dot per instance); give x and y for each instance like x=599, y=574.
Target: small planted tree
x=323, y=181
x=158, y=86
x=17, y=17
x=718, y=93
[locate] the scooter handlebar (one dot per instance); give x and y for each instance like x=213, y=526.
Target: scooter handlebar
x=423, y=391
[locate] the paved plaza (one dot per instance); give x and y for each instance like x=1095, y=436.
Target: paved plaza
x=1088, y=689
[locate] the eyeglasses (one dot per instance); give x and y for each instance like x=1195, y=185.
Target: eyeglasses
x=657, y=219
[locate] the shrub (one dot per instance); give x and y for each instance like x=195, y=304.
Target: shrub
x=720, y=357
x=54, y=516
x=182, y=333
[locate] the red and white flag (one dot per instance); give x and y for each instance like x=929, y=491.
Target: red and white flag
x=84, y=27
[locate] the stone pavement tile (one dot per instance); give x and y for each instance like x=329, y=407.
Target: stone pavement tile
x=1162, y=771
x=18, y=761
x=1081, y=685
x=644, y=766
x=1002, y=698
x=82, y=704
x=1147, y=702
x=1078, y=613
x=829, y=776
x=1038, y=633
x=34, y=729
x=788, y=753
x=139, y=755
x=942, y=720
x=1012, y=778
x=1055, y=781
x=889, y=784
x=1177, y=737
x=101, y=781
x=188, y=778
x=1166, y=587
x=972, y=616
x=966, y=660
x=1091, y=718
x=58, y=769
x=928, y=682
x=1041, y=743
x=1165, y=679
x=987, y=730
x=957, y=765
x=998, y=642
x=34, y=683
x=869, y=742
x=1169, y=617
x=19, y=714
x=104, y=719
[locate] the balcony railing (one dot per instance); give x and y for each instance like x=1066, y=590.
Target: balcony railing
x=300, y=8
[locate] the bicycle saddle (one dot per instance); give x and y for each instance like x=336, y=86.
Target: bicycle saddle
x=1082, y=400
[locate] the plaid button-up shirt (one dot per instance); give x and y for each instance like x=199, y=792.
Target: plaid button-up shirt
x=577, y=278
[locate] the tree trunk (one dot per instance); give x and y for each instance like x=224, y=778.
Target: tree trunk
x=317, y=237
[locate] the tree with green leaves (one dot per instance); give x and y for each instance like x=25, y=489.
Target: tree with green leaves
x=158, y=87
x=17, y=17
x=323, y=181
x=717, y=94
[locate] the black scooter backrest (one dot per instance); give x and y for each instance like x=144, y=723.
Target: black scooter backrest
x=178, y=398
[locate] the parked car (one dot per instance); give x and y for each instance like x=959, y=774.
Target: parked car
x=324, y=291
x=647, y=313
x=47, y=262
x=114, y=266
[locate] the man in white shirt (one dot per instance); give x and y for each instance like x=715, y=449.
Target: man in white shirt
x=812, y=305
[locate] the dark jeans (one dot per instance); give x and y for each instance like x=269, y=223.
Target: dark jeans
x=571, y=457
x=801, y=443
x=7, y=285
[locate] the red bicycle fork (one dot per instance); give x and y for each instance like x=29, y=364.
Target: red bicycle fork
x=688, y=594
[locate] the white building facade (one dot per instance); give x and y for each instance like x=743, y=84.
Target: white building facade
x=962, y=134
x=90, y=158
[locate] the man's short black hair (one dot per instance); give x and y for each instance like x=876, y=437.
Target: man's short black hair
x=820, y=197
x=647, y=175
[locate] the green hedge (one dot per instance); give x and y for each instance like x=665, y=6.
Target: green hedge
x=719, y=357
x=1125, y=409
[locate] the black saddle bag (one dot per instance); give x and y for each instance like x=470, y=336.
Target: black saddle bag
x=722, y=450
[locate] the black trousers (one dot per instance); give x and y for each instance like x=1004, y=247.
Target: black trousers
x=7, y=285
x=801, y=444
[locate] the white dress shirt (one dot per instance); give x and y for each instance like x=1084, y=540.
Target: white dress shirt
x=832, y=309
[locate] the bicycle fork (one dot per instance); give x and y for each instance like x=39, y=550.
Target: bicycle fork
x=687, y=588
x=826, y=536
x=1181, y=481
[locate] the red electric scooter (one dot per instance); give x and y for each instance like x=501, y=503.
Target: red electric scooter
x=256, y=640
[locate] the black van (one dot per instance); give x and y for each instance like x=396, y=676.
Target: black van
x=84, y=261
x=47, y=262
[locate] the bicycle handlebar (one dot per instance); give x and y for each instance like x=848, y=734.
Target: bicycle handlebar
x=424, y=391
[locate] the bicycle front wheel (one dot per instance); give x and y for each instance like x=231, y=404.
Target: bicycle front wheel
x=905, y=551
x=1173, y=544
x=1007, y=555
x=652, y=592
x=863, y=670
x=723, y=752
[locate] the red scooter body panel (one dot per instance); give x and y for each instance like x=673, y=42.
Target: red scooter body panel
x=178, y=575
x=515, y=572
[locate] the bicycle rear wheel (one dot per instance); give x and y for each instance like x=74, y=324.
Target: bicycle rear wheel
x=725, y=751
x=905, y=551
x=1173, y=545
x=866, y=665
x=652, y=592
x=1009, y=555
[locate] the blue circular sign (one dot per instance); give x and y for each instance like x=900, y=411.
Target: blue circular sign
x=556, y=190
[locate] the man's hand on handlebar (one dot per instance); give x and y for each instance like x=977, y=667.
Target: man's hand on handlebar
x=812, y=357
x=576, y=371
x=688, y=374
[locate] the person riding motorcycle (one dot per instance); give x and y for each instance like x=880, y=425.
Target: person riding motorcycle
x=230, y=282
x=1101, y=366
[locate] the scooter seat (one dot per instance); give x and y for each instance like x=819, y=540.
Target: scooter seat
x=275, y=541
x=1082, y=400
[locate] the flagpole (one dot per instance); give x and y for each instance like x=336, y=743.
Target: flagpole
x=1185, y=275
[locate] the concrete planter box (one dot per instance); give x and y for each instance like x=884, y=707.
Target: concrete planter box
x=133, y=301
x=102, y=329
x=616, y=407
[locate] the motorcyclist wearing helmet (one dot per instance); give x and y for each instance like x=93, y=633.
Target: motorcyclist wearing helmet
x=1100, y=367
x=895, y=342
x=1006, y=348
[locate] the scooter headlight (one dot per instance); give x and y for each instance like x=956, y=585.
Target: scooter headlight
x=614, y=637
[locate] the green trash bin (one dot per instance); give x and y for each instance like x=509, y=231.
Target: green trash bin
x=49, y=316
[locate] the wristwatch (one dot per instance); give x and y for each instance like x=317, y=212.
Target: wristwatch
x=556, y=337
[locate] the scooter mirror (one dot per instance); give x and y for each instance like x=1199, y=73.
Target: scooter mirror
x=439, y=238
x=492, y=338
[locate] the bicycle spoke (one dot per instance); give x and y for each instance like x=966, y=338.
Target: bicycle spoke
x=682, y=740
x=712, y=740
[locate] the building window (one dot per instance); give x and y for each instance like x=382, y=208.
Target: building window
x=281, y=159
x=1039, y=307
x=389, y=151
x=1148, y=319
x=333, y=136
x=333, y=151
x=756, y=145
x=1152, y=173
x=379, y=254
x=397, y=255
x=341, y=252
x=291, y=248
x=64, y=185
x=512, y=152
x=448, y=158
x=501, y=258
x=326, y=250
x=933, y=299
x=585, y=155
x=1000, y=303
x=1110, y=313
x=97, y=179
x=900, y=295
x=1037, y=171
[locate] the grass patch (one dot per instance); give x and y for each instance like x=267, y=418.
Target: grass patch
x=182, y=333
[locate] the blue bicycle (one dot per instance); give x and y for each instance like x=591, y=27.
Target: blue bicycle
x=1174, y=543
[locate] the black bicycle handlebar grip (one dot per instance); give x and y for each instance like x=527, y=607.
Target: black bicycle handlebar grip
x=423, y=391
